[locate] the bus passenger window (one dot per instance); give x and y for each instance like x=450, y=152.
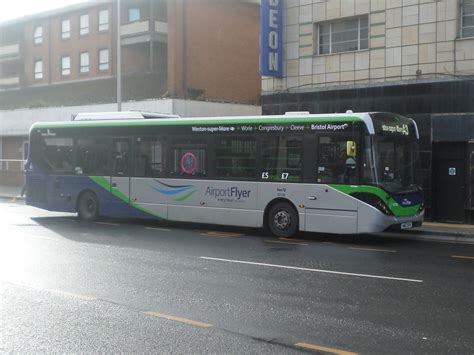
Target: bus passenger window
x=334, y=165
x=236, y=158
x=120, y=156
x=58, y=154
x=282, y=159
x=150, y=157
x=92, y=156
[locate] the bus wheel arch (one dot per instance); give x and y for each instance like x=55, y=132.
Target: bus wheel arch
x=281, y=218
x=87, y=205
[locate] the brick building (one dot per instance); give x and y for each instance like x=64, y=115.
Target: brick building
x=172, y=51
x=414, y=57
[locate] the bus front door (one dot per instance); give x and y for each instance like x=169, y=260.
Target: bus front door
x=120, y=179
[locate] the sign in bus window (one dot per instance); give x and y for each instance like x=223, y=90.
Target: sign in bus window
x=189, y=162
x=282, y=158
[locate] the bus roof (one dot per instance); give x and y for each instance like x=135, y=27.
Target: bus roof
x=293, y=117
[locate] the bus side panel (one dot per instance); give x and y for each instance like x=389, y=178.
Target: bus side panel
x=60, y=192
x=214, y=202
x=331, y=221
x=320, y=208
x=143, y=196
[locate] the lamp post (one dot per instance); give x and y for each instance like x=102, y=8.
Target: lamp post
x=119, y=61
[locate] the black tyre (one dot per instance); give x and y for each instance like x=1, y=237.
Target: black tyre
x=283, y=220
x=88, y=206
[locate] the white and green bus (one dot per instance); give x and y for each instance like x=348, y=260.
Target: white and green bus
x=332, y=173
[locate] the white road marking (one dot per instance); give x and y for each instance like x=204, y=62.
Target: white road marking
x=374, y=249
x=283, y=242
x=159, y=229
x=108, y=223
x=312, y=270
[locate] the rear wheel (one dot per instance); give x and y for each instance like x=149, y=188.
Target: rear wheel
x=283, y=220
x=88, y=206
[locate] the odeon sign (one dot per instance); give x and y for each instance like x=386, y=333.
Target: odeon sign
x=271, y=38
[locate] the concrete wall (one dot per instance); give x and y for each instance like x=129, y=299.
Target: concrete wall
x=404, y=37
x=20, y=120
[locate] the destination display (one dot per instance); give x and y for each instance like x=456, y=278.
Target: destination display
x=276, y=128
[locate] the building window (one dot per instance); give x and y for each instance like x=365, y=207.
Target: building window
x=343, y=35
x=467, y=18
x=84, y=62
x=104, y=59
x=84, y=25
x=39, y=69
x=133, y=14
x=65, y=66
x=65, y=29
x=103, y=20
x=38, y=36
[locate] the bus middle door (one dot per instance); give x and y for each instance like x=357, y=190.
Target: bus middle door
x=120, y=178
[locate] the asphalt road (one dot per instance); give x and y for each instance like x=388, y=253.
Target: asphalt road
x=123, y=286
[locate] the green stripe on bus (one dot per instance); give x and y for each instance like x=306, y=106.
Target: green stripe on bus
x=105, y=184
x=185, y=197
x=398, y=211
x=184, y=122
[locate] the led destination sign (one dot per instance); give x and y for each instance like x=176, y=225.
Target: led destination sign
x=275, y=128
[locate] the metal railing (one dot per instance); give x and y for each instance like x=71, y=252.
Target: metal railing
x=13, y=165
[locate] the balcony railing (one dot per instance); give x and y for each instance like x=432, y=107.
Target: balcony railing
x=13, y=165
x=11, y=81
x=11, y=50
x=143, y=31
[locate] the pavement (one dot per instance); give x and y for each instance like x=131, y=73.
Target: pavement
x=428, y=231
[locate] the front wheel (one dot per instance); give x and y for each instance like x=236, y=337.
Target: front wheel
x=88, y=206
x=283, y=220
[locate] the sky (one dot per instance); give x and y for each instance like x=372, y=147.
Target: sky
x=12, y=9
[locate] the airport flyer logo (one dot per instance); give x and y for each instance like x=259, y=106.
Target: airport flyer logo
x=228, y=194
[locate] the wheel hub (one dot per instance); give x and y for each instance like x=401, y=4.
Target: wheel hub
x=282, y=220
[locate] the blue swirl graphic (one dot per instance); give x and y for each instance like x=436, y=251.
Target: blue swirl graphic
x=175, y=189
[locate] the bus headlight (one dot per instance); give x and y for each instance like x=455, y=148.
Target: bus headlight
x=374, y=201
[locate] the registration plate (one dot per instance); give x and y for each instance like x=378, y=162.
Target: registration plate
x=406, y=225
